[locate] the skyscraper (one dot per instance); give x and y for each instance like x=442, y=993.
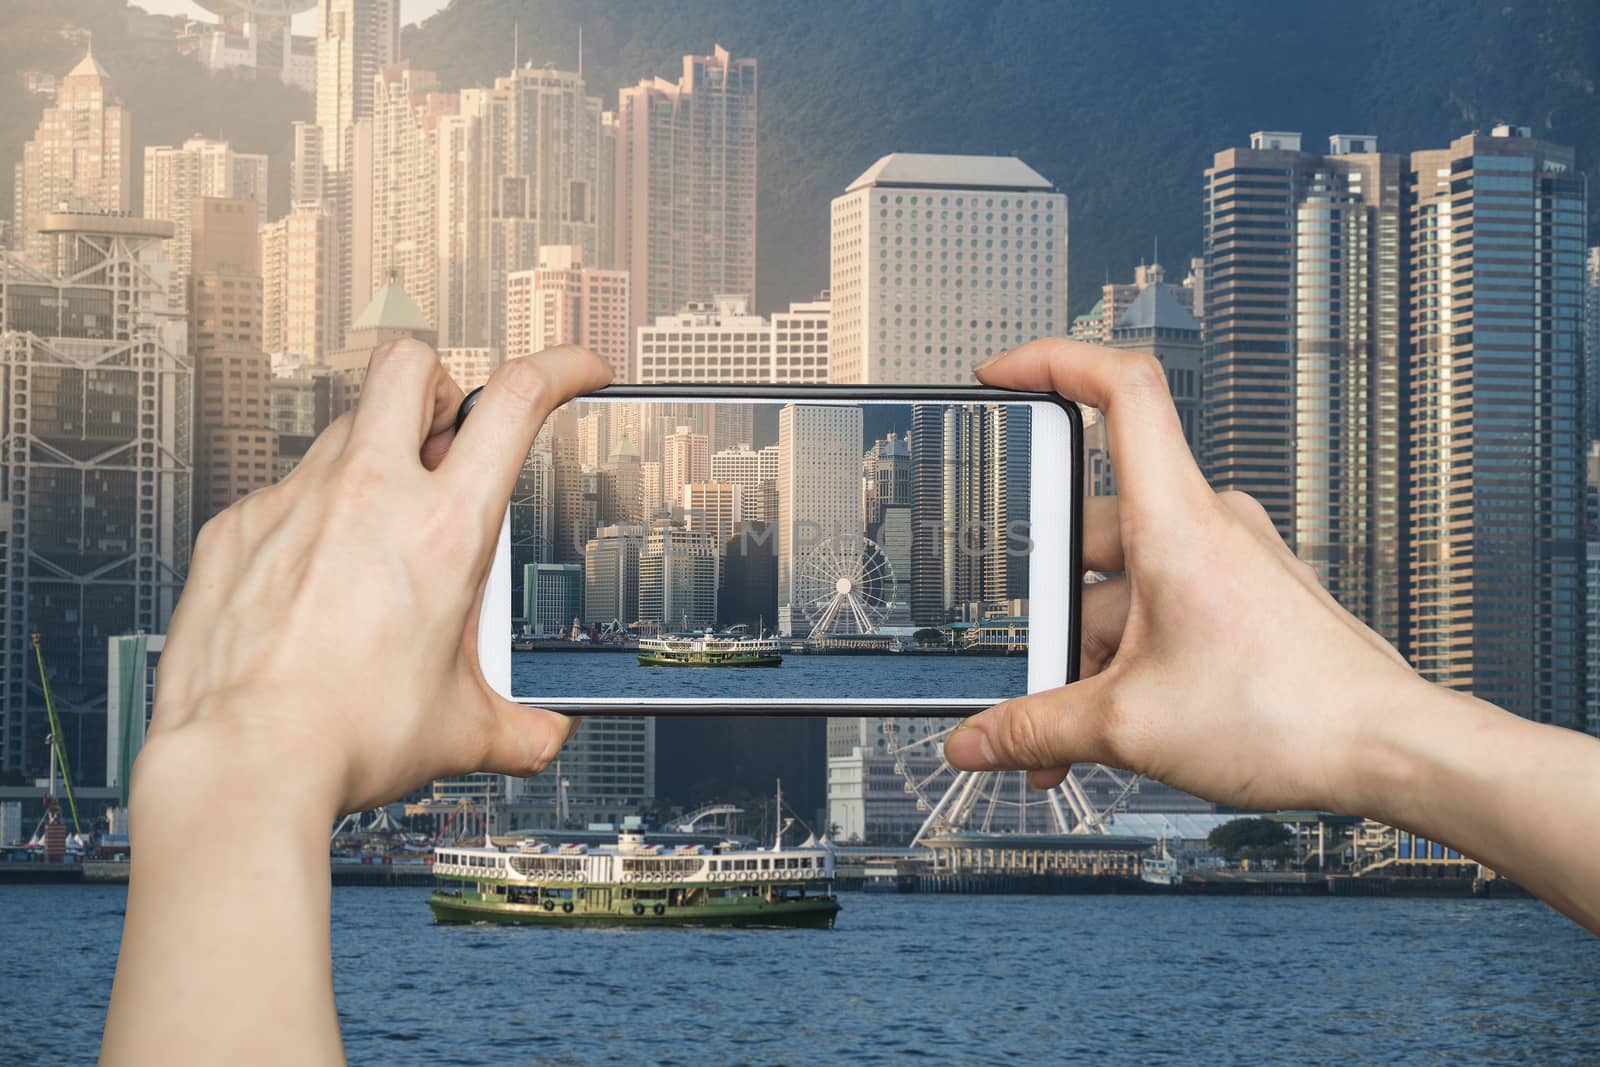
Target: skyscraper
x=1496, y=228
x=1304, y=335
x=564, y=301
x=175, y=176
x=940, y=261
x=80, y=156
x=611, y=575
x=819, y=495
x=525, y=164
x=406, y=112
x=749, y=469
x=686, y=185
x=985, y=498
x=356, y=40
x=678, y=579
x=299, y=276
x=95, y=453
x=686, y=458
x=235, y=449
x=1591, y=344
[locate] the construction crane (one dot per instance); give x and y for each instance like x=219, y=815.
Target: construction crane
x=58, y=751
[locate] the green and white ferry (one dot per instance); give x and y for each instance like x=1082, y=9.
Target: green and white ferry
x=709, y=649
x=635, y=883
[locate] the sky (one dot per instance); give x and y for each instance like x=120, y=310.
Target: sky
x=410, y=11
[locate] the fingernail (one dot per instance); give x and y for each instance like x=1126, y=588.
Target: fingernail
x=969, y=749
x=991, y=361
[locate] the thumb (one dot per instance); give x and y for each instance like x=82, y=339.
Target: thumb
x=524, y=739
x=1053, y=729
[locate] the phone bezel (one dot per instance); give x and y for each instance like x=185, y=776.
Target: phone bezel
x=494, y=642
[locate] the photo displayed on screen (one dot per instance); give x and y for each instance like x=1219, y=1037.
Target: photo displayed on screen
x=769, y=550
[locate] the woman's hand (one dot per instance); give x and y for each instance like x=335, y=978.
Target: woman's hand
x=329, y=622
x=1214, y=661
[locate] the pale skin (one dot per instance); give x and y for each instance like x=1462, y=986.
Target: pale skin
x=323, y=660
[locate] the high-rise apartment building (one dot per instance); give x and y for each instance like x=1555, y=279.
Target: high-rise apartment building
x=686, y=458
x=95, y=451
x=533, y=512
x=390, y=316
x=686, y=185
x=939, y=262
x=235, y=449
x=356, y=40
x=678, y=579
x=80, y=156
x=201, y=167
x=299, y=276
x=1496, y=228
x=406, y=111
x=715, y=508
x=525, y=164
x=720, y=341
x=564, y=301
x=819, y=496
x=1304, y=320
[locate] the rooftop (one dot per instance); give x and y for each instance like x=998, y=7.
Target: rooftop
x=88, y=67
x=986, y=172
x=1156, y=308
x=391, y=309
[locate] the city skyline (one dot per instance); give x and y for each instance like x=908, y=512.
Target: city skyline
x=493, y=221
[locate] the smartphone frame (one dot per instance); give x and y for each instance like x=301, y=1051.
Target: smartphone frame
x=494, y=639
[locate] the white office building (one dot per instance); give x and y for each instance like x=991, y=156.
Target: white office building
x=939, y=262
x=721, y=341
x=749, y=469
x=819, y=492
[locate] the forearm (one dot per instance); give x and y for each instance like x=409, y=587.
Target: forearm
x=1520, y=797
x=225, y=953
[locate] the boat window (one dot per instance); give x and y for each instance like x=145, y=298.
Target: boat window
x=766, y=864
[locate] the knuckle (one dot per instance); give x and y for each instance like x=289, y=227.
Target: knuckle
x=523, y=379
x=1021, y=740
x=402, y=351
x=1144, y=374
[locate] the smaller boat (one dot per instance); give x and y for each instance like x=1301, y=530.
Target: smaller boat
x=1161, y=870
x=709, y=649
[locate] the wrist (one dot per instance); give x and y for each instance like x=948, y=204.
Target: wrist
x=217, y=771
x=1406, y=748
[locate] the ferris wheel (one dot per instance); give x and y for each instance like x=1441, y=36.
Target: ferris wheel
x=840, y=586
x=1000, y=801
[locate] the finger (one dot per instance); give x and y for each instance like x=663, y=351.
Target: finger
x=1047, y=780
x=398, y=398
x=1102, y=535
x=488, y=452
x=1040, y=731
x=526, y=738
x=441, y=430
x=1105, y=616
x=1154, y=467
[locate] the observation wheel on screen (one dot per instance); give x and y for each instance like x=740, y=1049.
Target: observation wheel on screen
x=842, y=585
x=1086, y=802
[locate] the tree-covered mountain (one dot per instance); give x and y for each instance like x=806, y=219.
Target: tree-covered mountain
x=1119, y=104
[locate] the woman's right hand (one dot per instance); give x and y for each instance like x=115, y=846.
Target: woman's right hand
x=1215, y=661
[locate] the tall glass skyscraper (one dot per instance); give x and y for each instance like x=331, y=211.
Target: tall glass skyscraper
x=1496, y=473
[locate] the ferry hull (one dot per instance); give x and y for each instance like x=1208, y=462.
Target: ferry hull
x=815, y=914
x=648, y=660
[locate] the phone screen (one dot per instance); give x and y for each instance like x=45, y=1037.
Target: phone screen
x=730, y=552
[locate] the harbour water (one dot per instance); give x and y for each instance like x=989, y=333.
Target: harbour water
x=801, y=677
x=1103, y=980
